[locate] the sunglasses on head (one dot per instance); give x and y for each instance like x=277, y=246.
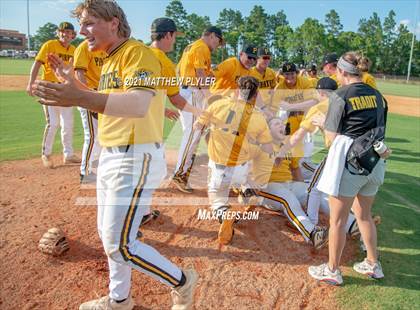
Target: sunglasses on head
x=266, y=57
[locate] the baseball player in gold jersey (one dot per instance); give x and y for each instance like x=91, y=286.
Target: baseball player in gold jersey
x=195, y=63
x=277, y=185
x=367, y=78
x=267, y=78
x=233, y=122
x=132, y=162
x=329, y=66
x=294, y=95
x=229, y=71
x=163, y=35
x=55, y=116
x=88, y=66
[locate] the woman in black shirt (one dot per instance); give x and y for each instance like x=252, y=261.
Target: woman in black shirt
x=354, y=109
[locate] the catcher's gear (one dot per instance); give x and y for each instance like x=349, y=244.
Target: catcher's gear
x=53, y=242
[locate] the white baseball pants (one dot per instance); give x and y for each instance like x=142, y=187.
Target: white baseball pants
x=91, y=148
x=190, y=138
x=58, y=117
x=127, y=177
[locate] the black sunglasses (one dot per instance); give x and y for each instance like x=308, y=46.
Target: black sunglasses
x=266, y=57
x=252, y=58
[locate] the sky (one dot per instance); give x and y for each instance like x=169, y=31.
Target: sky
x=141, y=13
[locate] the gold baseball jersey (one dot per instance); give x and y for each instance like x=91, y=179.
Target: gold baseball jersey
x=268, y=81
x=168, y=71
x=334, y=77
x=90, y=62
x=53, y=47
x=320, y=108
x=197, y=55
x=313, y=81
x=369, y=79
x=264, y=170
x=129, y=67
x=233, y=123
x=227, y=74
x=301, y=91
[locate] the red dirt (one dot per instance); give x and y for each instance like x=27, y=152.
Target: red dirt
x=265, y=267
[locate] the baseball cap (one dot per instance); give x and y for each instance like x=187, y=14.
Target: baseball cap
x=217, y=31
x=262, y=51
x=66, y=26
x=163, y=25
x=288, y=67
x=326, y=83
x=250, y=50
x=312, y=68
x=329, y=59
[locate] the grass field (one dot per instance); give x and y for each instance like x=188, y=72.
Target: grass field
x=22, y=124
x=10, y=66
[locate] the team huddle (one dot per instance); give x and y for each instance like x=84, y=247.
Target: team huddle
x=258, y=125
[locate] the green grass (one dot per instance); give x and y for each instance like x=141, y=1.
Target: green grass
x=10, y=66
x=399, y=89
x=22, y=124
x=398, y=235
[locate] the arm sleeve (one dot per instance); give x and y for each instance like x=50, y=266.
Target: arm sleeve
x=139, y=67
x=335, y=113
x=222, y=69
x=43, y=53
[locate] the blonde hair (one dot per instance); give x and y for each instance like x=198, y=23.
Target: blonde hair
x=356, y=59
x=106, y=10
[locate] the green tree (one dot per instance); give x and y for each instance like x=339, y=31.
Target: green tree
x=308, y=42
x=401, y=47
x=284, y=35
x=371, y=30
x=232, y=24
x=278, y=30
x=43, y=34
x=255, y=31
x=389, y=36
x=176, y=11
x=333, y=28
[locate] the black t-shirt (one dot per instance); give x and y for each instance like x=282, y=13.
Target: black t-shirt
x=353, y=110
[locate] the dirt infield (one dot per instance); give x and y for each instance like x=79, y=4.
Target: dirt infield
x=264, y=268
x=398, y=105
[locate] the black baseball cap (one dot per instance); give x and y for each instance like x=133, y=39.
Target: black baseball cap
x=326, y=83
x=250, y=50
x=288, y=67
x=217, y=31
x=313, y=68
x=329, y=59
x=66, y=26
x=164, y=25
x=263, y=51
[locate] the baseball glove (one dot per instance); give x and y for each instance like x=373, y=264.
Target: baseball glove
x=53, y=242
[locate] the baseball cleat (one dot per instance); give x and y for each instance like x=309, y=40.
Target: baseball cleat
x=319, y=237
x=149, y=217
x=354, y=230
x=106, y=303
x=182, y=184
x=373, y=271
x=324, y=274
x=47, y=161
x=88, y=179
x=226, y=231
x=183, y=296
x=72, y=159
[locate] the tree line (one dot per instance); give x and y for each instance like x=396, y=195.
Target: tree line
x=386, y=43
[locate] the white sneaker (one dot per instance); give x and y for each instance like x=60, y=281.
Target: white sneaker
x=106, y=303
x=183, y=297
x=47, y=161
x=323, y=273
x=373, y=271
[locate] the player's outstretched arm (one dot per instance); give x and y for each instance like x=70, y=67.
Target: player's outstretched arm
x=32, y=76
